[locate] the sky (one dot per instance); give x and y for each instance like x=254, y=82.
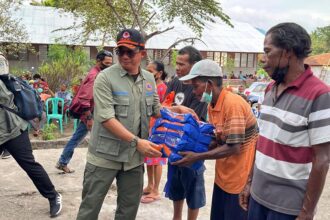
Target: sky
x=266, y=13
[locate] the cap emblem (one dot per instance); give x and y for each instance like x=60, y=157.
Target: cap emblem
x=126, y=35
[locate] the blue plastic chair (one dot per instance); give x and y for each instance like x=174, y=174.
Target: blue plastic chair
x=54, y=113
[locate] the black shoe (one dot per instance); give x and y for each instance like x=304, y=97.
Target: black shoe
x=55, y=205
x=5, y=154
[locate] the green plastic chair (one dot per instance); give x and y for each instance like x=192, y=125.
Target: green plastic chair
x=55, y=114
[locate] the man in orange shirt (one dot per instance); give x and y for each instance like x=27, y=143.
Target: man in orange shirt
x=234, y=148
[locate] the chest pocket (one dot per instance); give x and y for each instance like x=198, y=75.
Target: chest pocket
x=108, y=145
x=121, y=105
x=149, y=101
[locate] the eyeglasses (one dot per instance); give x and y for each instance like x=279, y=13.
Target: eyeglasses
x=130, y=53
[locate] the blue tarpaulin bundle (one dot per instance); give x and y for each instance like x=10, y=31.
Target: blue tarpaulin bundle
x=181, y=132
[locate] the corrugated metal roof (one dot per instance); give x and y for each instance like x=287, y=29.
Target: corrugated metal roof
x=40, y=23
x=216, y=37
x=318, y=60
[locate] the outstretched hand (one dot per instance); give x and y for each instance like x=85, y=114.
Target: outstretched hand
x=188, y=159
x=148, y=149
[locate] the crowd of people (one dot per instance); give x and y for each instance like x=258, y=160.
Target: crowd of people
x=41, y=86
x=271, y=170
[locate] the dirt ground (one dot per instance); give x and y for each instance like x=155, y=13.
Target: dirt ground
x=19, y=199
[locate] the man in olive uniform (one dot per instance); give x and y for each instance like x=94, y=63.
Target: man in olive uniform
x=125, y=98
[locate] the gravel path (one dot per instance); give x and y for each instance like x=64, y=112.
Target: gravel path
x=19, y=199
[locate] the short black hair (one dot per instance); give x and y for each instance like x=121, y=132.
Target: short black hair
x=291, y=36
x=194, y=54
x=36, y=76
x=216, y=79
x=102, y=54
x=160, y=67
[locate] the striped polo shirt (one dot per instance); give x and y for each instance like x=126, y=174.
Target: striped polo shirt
x=289, y=126
x=233, y=116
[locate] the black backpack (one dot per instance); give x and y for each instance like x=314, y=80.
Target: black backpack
x=26, y=99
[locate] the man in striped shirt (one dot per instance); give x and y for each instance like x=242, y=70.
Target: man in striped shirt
x=292, y=158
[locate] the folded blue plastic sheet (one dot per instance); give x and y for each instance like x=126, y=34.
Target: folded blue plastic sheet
x=181, y=132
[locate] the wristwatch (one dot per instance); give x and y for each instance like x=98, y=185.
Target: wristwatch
x=134, y=141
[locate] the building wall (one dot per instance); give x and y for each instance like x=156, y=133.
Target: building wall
x=327, y=77
x=245, y=62
x=316, y=70
x=26, y=60
x=326, y=74
x=30, y=61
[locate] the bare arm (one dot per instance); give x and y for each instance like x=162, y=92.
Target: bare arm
x=244, y=196
x=221, y=151
x=317, y=177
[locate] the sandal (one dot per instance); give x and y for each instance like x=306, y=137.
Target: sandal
x=149, y=199
x=64, y=168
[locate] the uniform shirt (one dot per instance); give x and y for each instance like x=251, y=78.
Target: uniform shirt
x=233, y=115
x=289, y=125
x=132, y=103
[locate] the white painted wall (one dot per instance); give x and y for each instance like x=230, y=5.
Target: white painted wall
x=316, y=70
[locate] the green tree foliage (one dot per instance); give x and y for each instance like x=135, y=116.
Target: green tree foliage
x=106, y=17
x=48, y=3
x=192, y=13
x=229, y=67
x=321, y=40
x=174, y=55
x=13, y=36
x=17, y=71
x=261, y=73
x=64, y=65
